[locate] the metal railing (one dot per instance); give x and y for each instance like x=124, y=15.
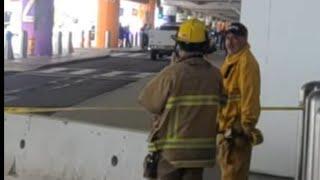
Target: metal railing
x=308, y=150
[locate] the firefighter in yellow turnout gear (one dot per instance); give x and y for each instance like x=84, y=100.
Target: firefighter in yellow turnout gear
x=184, y=99
x=239, y=116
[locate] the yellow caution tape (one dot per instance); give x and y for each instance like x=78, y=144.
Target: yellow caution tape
x=26, y=110
x=282, y=108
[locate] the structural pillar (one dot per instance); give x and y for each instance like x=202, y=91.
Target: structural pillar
x=151, y=12
x=28, y=23
x=108, y=20
x=43, y=27
x=37, y=21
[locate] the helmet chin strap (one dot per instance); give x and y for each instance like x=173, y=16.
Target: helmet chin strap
x=176, y=50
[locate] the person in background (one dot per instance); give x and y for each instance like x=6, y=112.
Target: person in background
x=121, y=36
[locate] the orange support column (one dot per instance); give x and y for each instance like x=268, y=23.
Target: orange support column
x=108, y=20
x=151, y=11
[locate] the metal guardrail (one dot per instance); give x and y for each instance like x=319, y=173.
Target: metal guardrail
x=308, y=98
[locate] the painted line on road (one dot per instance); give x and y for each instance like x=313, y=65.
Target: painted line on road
x=83, y=71
x=9, y=98
x=142, y=75
x=53, y=70
x=136, y=54
x=62, y=86
x=112, y=74
x=14, y=91
x=118, y=54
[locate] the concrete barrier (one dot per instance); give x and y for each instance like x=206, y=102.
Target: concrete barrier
x=41, y=147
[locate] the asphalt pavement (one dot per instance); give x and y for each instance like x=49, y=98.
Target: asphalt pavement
x=69, y=84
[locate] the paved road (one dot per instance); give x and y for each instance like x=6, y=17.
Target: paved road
x=70, y=84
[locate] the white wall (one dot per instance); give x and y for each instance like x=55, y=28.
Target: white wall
x=284, y=36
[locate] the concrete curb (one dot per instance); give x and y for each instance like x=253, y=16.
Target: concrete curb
x=128, y=51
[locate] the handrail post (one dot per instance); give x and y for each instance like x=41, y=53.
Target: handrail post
x=312, y=157
x=305, y=91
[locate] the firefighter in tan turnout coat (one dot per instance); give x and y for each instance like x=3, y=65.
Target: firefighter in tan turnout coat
x=184, y=99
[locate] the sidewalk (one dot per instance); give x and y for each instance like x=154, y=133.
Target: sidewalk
x=30, y=63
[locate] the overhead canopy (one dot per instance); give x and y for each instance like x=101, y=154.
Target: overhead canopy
x=220, y=9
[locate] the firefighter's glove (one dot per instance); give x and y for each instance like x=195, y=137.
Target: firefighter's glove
x=255, y=136
x=220, y=138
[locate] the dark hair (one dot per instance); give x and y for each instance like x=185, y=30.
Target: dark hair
x=237, y=29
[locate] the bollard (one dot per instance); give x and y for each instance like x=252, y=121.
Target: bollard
x=107, y=39
x=59, y=43
x=134, y=44
x=131, y=40
x=124, y=42
x=9, y=51
x=70, y=46
x=137, y=39
x=82, y=39
x=24, y=44
x=31, y=46
x=89, y=39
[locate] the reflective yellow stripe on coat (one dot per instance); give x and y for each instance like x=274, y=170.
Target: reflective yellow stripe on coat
x=192, y=100
x=192, y=143
x=174, y=142
x=233, y=98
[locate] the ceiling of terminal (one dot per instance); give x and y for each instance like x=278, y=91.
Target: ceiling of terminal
x=219, y=9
